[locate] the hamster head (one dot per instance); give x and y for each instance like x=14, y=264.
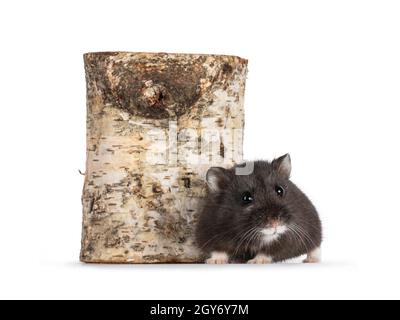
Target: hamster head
x=265, y=202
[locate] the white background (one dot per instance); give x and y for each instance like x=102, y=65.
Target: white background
x=323, y=85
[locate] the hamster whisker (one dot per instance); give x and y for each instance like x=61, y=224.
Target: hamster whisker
x=240, y=239
x=305, y=234
x=239, y=235
x=298, y=237
x=220, y=236
x=215, y=237
x=244, y=237
x=254, y=236
x=303, y=221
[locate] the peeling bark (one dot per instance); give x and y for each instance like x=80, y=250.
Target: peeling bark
x=141, y=211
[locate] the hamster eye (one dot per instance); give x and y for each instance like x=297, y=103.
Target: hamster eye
x=280, y=191
x=247, y=198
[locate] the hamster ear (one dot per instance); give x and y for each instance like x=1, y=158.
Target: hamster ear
x=283, y=166
x=216, y=178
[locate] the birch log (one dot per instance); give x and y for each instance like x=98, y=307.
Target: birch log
x=150, y=118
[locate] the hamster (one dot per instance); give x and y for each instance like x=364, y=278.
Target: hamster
x=258, y=218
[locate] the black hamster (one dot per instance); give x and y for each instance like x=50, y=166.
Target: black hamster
x=258, y=218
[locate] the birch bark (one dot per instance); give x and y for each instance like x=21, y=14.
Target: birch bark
x=155, y=124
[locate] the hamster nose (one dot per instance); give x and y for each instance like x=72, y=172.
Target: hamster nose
x=275, y=224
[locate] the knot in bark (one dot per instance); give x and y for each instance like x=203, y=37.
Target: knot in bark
x=154, y=94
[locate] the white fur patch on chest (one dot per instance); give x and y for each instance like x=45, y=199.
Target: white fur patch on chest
x=272, y=234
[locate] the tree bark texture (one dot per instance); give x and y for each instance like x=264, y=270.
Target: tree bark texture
x=142, y=189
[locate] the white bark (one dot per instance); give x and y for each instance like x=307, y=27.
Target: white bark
x=141, y=195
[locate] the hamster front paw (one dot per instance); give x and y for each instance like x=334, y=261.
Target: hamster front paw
x=313, y=256
x=218, y=258
x=260, y=259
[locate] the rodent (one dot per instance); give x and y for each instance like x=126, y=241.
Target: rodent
x=262, y=217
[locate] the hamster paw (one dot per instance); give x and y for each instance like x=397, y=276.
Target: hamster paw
x=313, y=256
x=260, y=259
x=218, y=258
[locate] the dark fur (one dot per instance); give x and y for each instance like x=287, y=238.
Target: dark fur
x=225, y=219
